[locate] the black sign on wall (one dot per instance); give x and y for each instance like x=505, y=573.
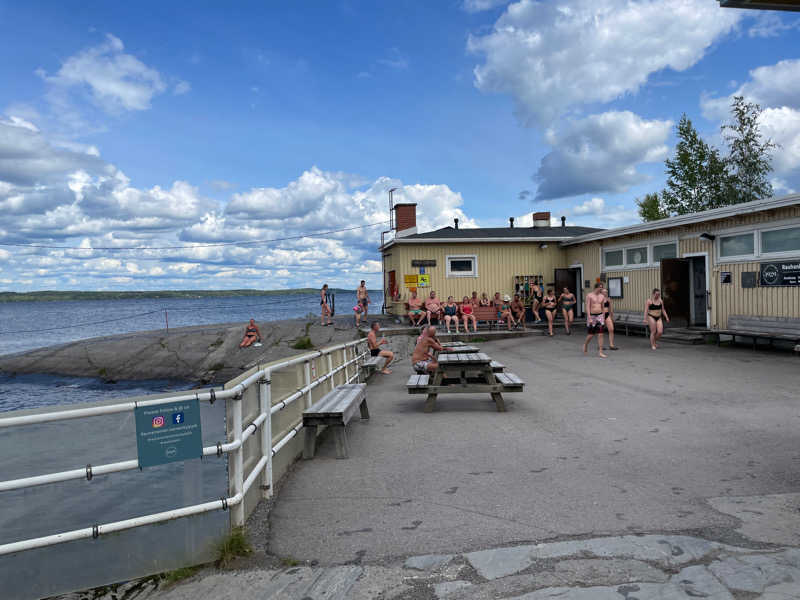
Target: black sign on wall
x=749, y=279
x=423, y=263
x=780, y=273
x=725, y=277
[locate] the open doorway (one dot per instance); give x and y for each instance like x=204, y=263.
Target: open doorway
x=571, y=278
x=684, y=286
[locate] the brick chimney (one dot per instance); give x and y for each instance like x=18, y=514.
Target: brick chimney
x=541, y=219
x=405, y=219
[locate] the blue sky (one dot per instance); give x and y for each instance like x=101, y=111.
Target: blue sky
x=157, y=124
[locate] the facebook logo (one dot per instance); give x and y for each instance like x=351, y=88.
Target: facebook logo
x=177, y=418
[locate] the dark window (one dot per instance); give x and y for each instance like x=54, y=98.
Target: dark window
x=461, y=266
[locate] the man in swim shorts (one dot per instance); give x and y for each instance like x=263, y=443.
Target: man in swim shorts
x=415, y=310
x=362, y=297
x=595, y=319
x=422, y=357
x=375, y=346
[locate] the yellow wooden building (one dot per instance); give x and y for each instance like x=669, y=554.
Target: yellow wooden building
x=736, y=260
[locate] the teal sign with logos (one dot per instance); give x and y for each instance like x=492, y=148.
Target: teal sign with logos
x=168, y=432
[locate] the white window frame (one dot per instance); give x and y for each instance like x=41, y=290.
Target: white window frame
x=650, y=264
x=657, y=263
x=451, y=274
x=756, y=230
x=784, y=254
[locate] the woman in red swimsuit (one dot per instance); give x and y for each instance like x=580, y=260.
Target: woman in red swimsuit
x=467, y=315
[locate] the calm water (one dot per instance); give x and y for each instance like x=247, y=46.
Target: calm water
x=29, y=325
x=51, y=447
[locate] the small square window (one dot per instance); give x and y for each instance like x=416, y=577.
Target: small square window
x=736, y=245
x=636, y=256
x=613, y=258
x=462, y=266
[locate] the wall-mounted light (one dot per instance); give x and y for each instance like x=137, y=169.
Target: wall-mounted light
x=708, y=236
x=542, y=245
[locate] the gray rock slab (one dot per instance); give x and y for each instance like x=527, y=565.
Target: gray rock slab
x=379, y=583
x=669, y=550
x=574, y=572
x=771, y=518
x=427, y=562
x=782, y=591
x=691, y=583
x=754, y=573
x=445, y=588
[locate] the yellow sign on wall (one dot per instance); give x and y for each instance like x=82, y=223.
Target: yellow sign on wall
x=410, y=280
x=424, y=280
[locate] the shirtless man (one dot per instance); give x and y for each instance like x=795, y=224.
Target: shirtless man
x=434, y=307
x=375, y=346
x=415, y=309
x=595, y=319
x=422, y=357
x=362, y=297
x=518, y=309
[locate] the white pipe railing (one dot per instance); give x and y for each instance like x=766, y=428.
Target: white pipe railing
x=240, y=484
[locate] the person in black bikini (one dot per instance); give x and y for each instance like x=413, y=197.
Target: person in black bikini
x=608, y=307
x=653, y=312
x=568, y=301
x=375, y=346
x=251, y=335
x=536, y=290
x=550, y=304
x=326, y=309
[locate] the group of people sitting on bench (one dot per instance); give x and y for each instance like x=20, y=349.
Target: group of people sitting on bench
x=504, y=309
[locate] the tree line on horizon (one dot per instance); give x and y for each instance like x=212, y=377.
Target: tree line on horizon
x=700, y=177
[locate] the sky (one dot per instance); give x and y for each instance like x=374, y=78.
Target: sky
x=152, y=145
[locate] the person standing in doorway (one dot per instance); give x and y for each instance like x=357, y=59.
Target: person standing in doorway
x=568, y=302
x=608, y=314
x=536, y=304
x=654, y=311
x=375, y=346
x=324, y=299
x=595, y=319
x=362, y=297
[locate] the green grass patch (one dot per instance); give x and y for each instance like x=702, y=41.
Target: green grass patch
x=177, y=575
x=216, y=344
x=479, y=339
x=303, y=343
x=288, y=561
x=232, y=547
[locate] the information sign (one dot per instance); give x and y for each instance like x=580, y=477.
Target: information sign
x=780, y=273
x=168, y=432
x=424, y=281
x=410, y=280
x=725, y=277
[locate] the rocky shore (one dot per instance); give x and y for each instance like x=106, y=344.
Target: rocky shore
x=203, y=353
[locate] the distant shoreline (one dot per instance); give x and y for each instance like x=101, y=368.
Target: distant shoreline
x=52, y=296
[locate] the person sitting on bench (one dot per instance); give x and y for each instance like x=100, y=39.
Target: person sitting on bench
x=251, y=334
x=434, y=307
x=375, y=344
x=422, y=357
x=485, y=300
x=468, y=314
x=474, y=300
x=415, y=309
x=518, y=310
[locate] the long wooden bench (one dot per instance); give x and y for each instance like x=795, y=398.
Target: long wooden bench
x=335, y=409
x=372, y=364
x=785, y=329
x=630, y=321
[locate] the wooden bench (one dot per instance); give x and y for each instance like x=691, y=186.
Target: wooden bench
x=785, y=329
x=497, y=367
x=629, y=320
x=486, y=314
x=372, y=364
x=334, y=409
x=511, y=382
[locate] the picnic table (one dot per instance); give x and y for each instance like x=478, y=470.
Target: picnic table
x=457, y=349
x=465, y=373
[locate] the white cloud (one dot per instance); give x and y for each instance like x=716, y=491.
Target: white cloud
x=593, y=206
x=182, y=87
x=594, y=212
x=551, y=57
x=768, y=24
x=600, y=153
x=396, y=60
x=770, y=86
x=474, y=6
x=783, y=126
x=115, y=80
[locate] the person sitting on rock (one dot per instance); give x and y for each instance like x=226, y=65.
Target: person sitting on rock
x=251, y=335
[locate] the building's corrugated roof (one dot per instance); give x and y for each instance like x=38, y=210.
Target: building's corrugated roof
x=713, y=214
x=451, y=233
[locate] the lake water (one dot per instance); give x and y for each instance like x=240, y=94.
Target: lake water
x=52, y=447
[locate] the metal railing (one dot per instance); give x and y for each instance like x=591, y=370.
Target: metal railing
x=240, y=483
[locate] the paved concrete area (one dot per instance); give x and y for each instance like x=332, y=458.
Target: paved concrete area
x=672, y=474
x=638, y=442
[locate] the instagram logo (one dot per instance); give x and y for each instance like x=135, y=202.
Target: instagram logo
x=158, y=422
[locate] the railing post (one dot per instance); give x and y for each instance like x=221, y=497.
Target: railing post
x=265, y=407
x=307, y=371
x=345, y=366
x=331, y=382
x=237, y=471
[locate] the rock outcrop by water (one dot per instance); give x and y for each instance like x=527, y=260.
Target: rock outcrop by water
x=203, y=353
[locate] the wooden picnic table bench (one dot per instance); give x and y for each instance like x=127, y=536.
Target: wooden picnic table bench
x=448, y=348
x=465, y=373
x=334, y=409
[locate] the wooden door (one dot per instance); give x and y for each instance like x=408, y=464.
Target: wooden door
x=676, y=288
